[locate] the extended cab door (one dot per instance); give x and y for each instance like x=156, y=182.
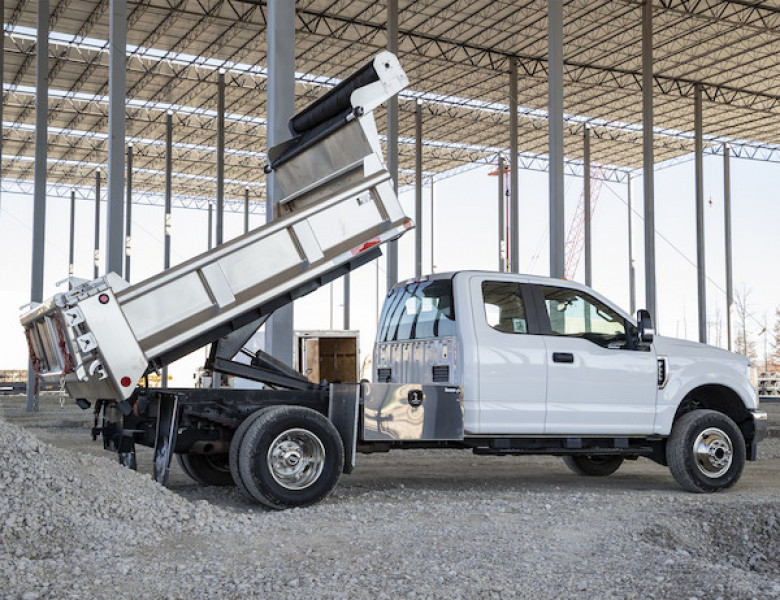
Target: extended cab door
x=510, y=361
x=598, y=382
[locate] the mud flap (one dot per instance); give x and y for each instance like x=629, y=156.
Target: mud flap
x=126, y=453
x=165, y=438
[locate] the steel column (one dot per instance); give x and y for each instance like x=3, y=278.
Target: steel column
x=246, y=209
x=701, y=270
x=168, y=179
x=129, y=211
x=168, y=209
x=433, y=223
x=727, y=225
x=211, y=224
x=347, y=293
x=72, y=237
x=631, y=271
x=555, y=106
x=501, y=224
x=587, y=209
x=418, y=189
x=220, y=154
x=39, y=190
x=392, y=137
x=96, y=252
x=514, y=175
x=115, y=210
x=2, y=89
x=648, y=161
x=281, y=107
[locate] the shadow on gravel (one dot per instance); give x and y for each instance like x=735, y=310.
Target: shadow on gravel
x=747, y=539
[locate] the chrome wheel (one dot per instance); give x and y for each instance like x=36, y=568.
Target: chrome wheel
x=713, y=452
x=296, y=459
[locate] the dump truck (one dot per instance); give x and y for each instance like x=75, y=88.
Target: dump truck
x=494, y=363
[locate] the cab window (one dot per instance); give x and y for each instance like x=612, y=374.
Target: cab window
x=575, y=314
x=418, y=311
x=504, y=308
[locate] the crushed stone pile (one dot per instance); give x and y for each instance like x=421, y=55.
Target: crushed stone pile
x=73, y=525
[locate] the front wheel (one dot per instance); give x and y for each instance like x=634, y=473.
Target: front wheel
x=705, y=451
x=593, y=465
x=290, y=456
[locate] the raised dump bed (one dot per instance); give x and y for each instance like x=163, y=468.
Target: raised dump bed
x=101, y=337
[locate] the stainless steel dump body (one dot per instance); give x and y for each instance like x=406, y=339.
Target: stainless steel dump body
x=102, y=336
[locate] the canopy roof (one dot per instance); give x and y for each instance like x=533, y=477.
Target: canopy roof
x=457, y=54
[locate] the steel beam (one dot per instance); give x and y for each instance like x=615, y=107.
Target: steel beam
x=281, y=107
x=727, y=226
x=555, y=104
x=418, y=189
x=701, y=269
x=514, y=173
x=392, y=137
x=631, y=271
x=488, y=60
x=587, y=209
x=220, y=155
x=648, y=162
x=115, y=210
x=501, y=209
x=129, y=211
x=96, y=251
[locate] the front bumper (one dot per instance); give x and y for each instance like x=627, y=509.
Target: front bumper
x=760, y=432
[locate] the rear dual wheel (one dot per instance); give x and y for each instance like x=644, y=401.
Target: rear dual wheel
x=207, y=469
x=286, y=456
x=593, y=465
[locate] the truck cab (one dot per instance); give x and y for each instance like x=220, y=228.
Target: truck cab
x=552, y=358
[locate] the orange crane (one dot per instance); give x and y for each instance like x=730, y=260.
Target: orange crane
x=575, y=241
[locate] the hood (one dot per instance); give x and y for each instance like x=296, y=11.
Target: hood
x=669, y=346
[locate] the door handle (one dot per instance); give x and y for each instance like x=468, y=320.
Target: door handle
x=563, y=357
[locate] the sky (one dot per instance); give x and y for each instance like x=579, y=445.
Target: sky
x=465, y=237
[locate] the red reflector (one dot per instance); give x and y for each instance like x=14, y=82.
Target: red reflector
x=103, y=298
x=363, y=247
x=126, y=381
x=407, y=225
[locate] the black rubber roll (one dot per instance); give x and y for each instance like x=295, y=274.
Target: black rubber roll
x=333, y=103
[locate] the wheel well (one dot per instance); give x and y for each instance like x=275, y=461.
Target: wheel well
x=715, y=397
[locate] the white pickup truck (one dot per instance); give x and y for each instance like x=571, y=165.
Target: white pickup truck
x=549, y=366
x=495, y=363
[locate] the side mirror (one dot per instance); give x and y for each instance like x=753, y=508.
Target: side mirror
x=645, y=328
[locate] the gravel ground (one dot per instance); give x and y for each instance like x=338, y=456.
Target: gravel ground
x=413, y=524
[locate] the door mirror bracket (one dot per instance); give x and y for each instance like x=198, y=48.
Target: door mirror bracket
x=645, y=327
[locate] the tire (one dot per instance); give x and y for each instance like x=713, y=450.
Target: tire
x=593, y=465
x=290, y=456
x=208, y=469
x=705, y=451
x=235, y=448
x=185, y=466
